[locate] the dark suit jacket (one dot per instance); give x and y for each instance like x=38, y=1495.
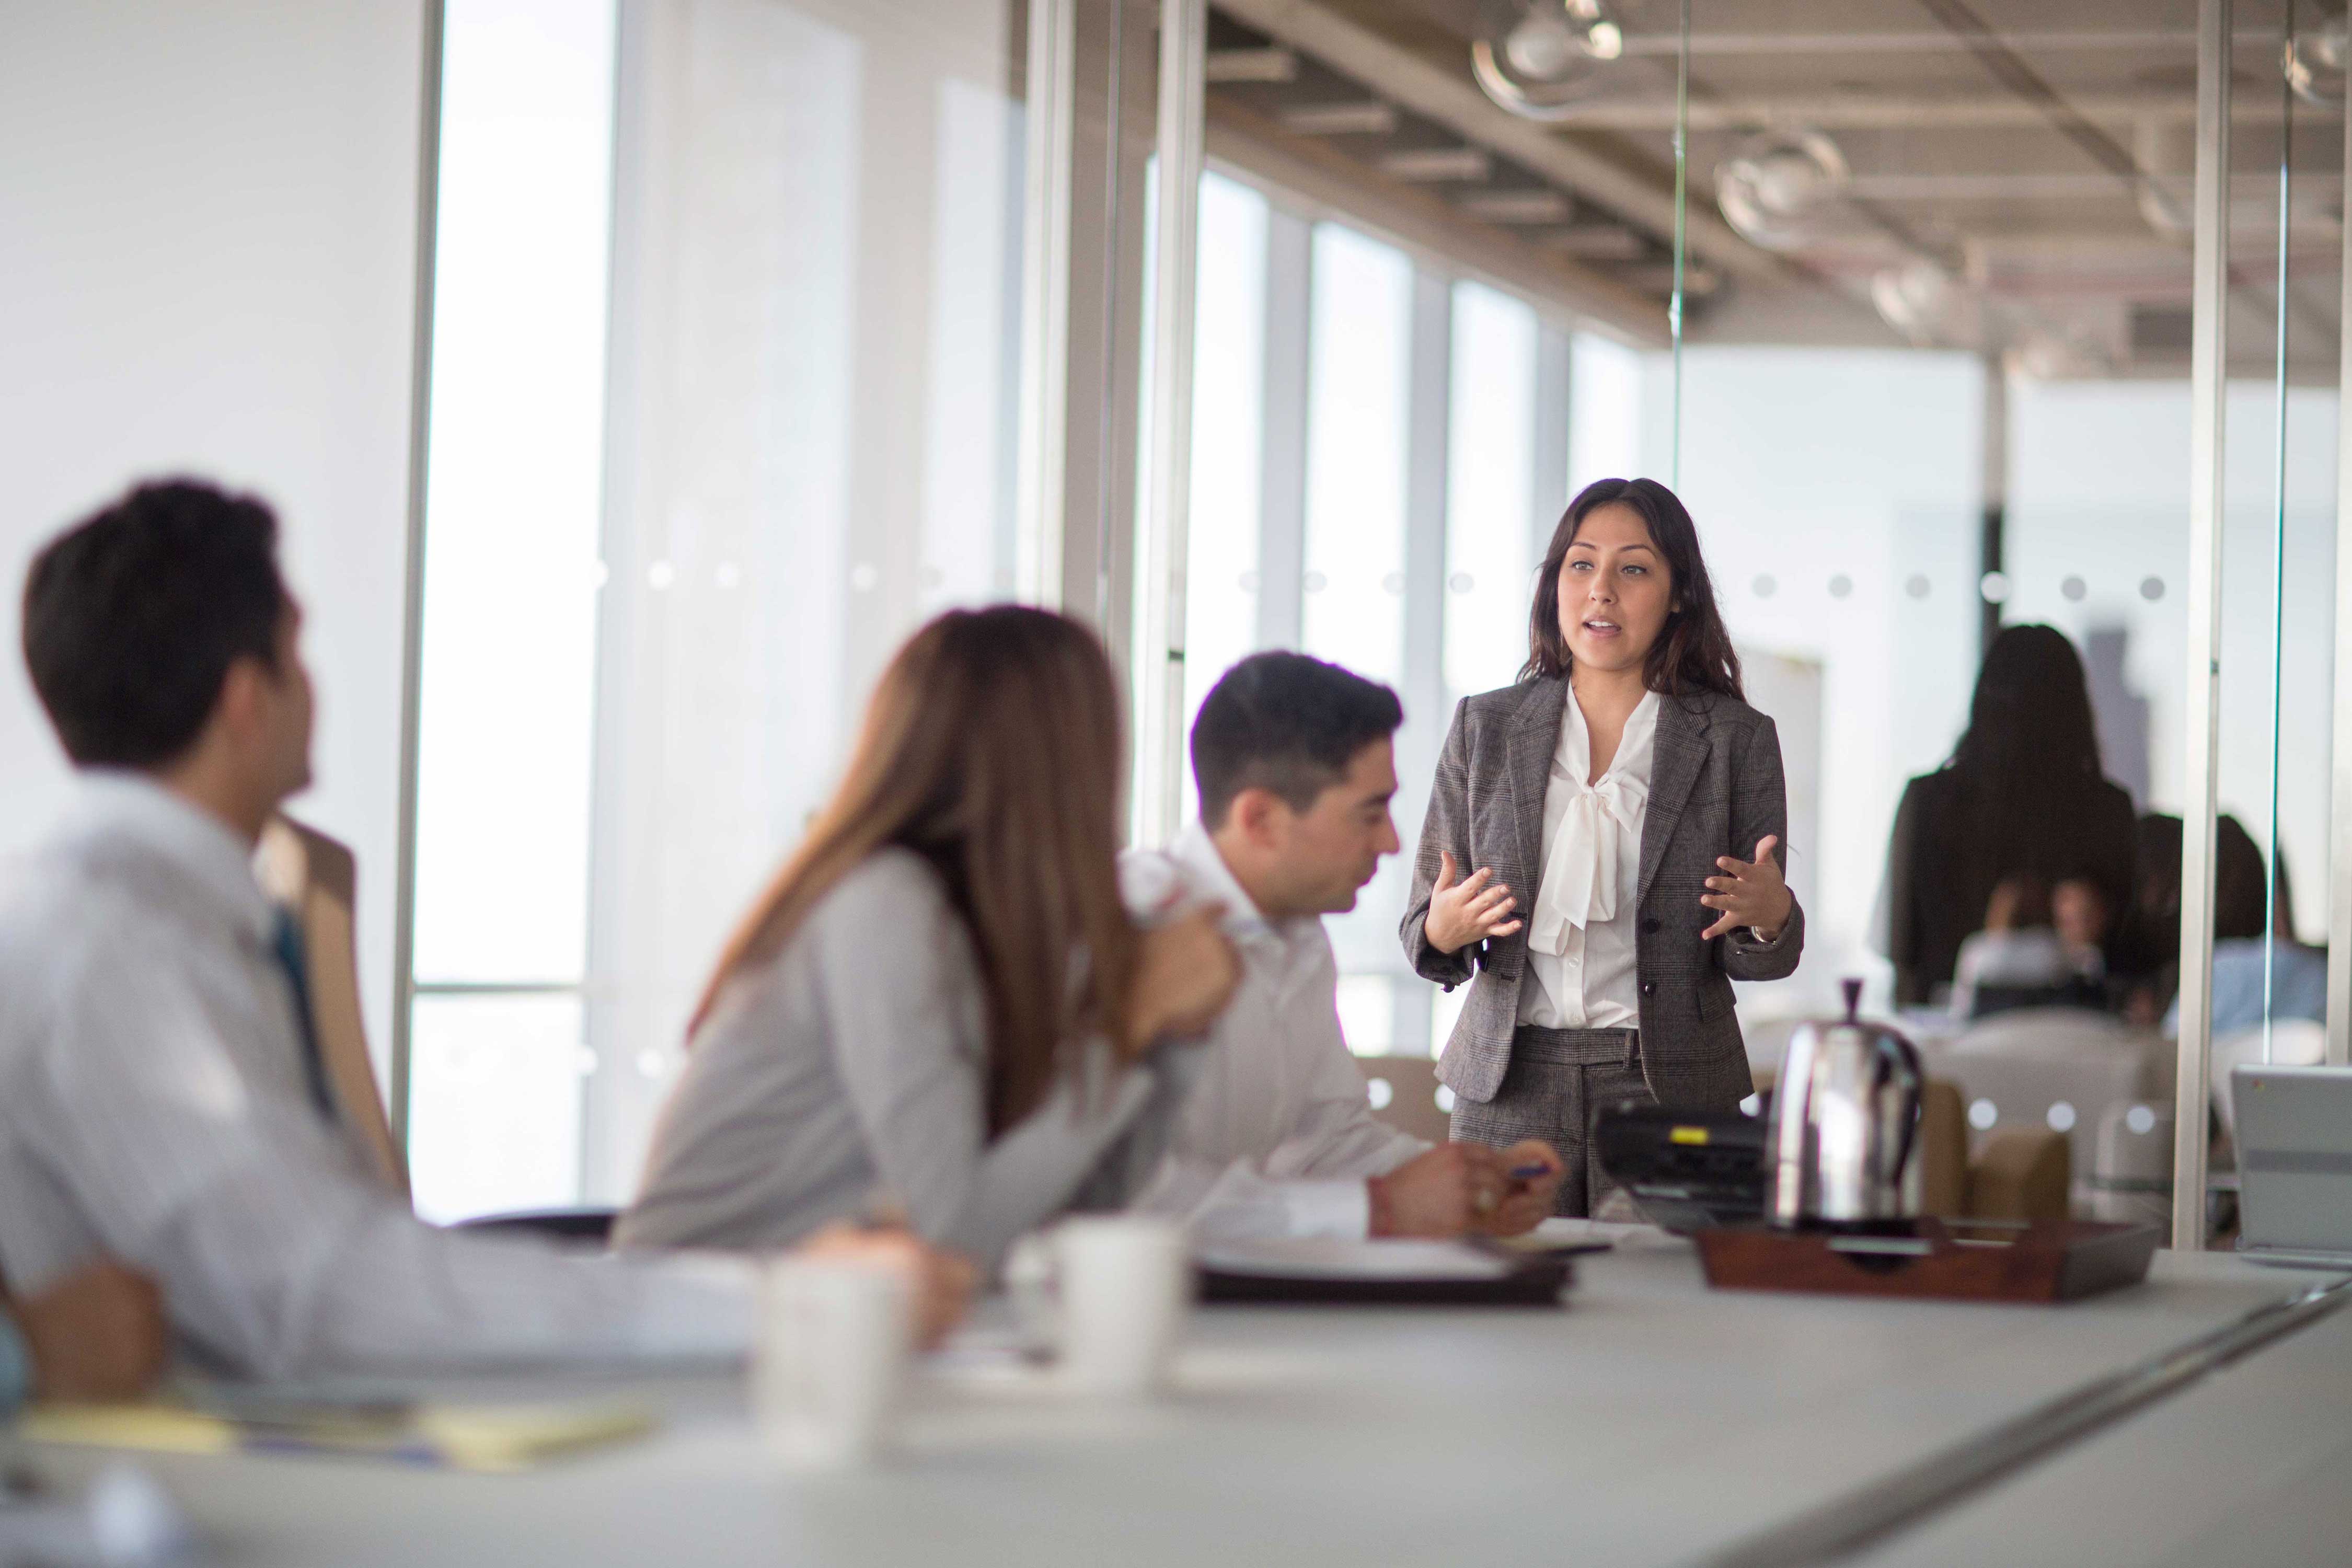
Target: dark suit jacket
x=1940, y=875
x=1715, y=788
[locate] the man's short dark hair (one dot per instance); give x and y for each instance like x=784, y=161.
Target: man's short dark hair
x=134, y=615
x=1288, y=723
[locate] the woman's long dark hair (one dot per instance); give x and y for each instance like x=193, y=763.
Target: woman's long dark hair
x=993, y=750
x=1694, y=651
x=2031, y=751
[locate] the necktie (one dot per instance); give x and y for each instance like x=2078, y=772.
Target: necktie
x=285, y=947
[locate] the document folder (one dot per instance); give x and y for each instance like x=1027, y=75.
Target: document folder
x=1329, y=1272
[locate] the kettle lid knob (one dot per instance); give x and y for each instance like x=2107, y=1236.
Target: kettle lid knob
x=1853, y=989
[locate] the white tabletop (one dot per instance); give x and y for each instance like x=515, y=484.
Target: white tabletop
x=1651, y=1421
x=2248, y=1466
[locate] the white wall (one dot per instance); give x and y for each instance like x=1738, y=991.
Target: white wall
x=209, y=213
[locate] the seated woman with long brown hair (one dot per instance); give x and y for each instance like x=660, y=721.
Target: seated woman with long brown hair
x=939, y=1010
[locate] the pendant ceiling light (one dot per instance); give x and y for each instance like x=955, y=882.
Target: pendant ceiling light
x=1539, y=58
x=1783, y=189
x=2315, y=63
x=1921, y=301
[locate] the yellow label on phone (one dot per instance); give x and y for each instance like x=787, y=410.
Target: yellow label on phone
x=1687, y=1135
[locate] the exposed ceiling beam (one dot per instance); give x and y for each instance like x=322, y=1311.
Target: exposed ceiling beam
x=1517, y=209
x=1898, y=111
x=1438, y=165
x=1453, y=100
x=1253, y=145
x=1593, y=242
x=1250, y=65
x=1368, y=118
x=1927, y=42
x=2052, y=187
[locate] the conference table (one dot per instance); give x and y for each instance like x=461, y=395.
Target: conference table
x=1650, y=1420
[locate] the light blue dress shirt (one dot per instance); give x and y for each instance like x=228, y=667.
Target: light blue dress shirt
x=2298, y=986
x=16, y=1367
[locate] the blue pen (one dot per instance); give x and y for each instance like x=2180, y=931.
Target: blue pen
x=1528, y=1172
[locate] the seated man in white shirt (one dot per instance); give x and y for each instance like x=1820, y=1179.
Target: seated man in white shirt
x=162, y=1098
x=1296, y=768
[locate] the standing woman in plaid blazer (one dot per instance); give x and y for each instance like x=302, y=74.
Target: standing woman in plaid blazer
x=1604, y=847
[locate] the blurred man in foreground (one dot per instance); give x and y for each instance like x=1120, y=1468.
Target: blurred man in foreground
x=162, y=1100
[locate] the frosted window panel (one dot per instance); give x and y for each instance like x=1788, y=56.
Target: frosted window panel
x=512, y=502
x=1228, y=396
x=818, y=392
x=1444, y=1012
x=733, y=689
x=1490, y=483
x=494, y=1122
x=1140, y=670
x=968, y=538
x=1605, y=412
x=1359, y=360
x=1837, y=496
x=1368, y=1012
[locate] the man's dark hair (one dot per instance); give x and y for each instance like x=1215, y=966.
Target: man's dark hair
x=1288, y=723
x=134, y=615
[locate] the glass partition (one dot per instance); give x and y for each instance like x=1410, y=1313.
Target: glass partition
x=2016, y=211
x=1399, y=413
x=727, y=358
x=1936, y=286
x=1905, y=300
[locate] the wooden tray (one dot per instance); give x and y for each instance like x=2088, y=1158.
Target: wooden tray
x=2047, y=1261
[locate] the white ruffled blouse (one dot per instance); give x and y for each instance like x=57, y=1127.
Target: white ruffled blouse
x=1581, y=931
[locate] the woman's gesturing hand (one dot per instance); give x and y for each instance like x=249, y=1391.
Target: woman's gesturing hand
x=1463, y=910
x=1749, y=893
x=1186, y=974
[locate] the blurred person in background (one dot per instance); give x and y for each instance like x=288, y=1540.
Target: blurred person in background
x=2242, y=911
x=2148, y=947
x=1296, y=765
x=163, y=1098
x=941, y=1008
x=2040, y=947
x=2023, y=795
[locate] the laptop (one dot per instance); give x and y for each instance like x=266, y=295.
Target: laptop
x=2294, y=1165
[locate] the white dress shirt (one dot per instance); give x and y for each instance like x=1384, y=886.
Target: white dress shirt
x=153, y=1109
x=1581, y=931
x=1278, y=1135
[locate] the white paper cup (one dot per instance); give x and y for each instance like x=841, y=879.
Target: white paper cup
x=1126, y=1285
x=836, y=1336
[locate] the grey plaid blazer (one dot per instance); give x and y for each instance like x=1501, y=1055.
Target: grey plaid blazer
x=1715, y=788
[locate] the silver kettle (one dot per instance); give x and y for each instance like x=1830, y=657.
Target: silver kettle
x=1846, y=1126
